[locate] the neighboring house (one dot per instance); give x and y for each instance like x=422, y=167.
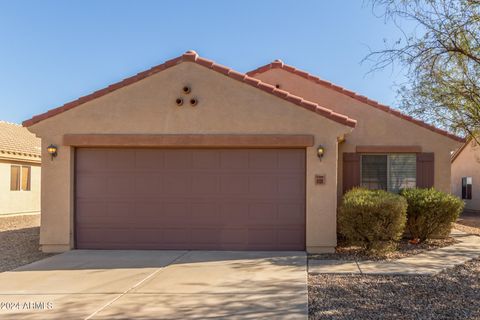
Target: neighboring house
x=193, y=155
x=466, y=174
x=20, y=159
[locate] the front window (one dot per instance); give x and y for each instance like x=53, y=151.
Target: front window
x=390, y=172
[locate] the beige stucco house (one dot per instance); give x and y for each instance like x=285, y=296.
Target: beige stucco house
x=20, y=161
x=193, y=155
x=466, y=175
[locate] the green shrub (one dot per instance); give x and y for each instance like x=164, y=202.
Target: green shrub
x=430, y=212
x=374, y=219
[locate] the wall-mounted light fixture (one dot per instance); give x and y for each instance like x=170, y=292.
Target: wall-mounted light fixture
x=52, y=150
x=320, y=152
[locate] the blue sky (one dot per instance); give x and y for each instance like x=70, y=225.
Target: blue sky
x=53, y=52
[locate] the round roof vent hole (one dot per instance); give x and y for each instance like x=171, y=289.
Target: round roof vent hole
x=186, y=89
x=193, y=101
x=179, y=101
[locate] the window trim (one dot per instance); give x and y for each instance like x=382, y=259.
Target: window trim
x=388, y=165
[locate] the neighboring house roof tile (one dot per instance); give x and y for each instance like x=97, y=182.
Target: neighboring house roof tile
x=191, y=56
x=17, y=142
x=278, y=64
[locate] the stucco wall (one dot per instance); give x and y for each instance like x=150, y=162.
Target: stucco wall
x=374, y=126
x=13, y=202
x=225, y=106
x=467, y=164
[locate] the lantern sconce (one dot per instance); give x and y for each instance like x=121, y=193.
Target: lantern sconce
x=52, y=150
x=320, y=152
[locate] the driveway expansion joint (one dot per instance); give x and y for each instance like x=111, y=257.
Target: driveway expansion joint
x=151, y=275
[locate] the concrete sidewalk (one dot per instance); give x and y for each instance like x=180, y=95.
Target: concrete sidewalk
x=427, y=263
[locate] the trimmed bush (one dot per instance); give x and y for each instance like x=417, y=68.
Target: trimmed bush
x=374, y=219
x=430, y=213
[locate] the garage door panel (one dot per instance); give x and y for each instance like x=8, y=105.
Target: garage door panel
x=121, y=185
x=233, y=213
x=175, y=184
x=212, y=199
x=205, y=236
x=262, y=213
x=263, y=185
x=91, y=160
x=233, y=159
x=292, y=161
x=177, y=159
x=204, y=184
x=234, y=184
x=148, y=160
x=89, y=186
x=234, y=236
x=291, y=213
x=263, y=160
x=205, y=214
x=291, y=186
x=291, y=236
x=262, y=236
x=120, y=160
x=176, y=236
x=206, y=159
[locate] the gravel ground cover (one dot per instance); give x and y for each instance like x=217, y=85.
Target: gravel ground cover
x=453, y=294
x=467, y=229
x=19, y=245
x=405, y=249
x=469, y=222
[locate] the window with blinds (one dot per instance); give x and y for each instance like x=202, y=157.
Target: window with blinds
x=374, y=173
x=390, y=172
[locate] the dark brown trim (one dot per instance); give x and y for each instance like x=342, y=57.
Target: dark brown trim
x=189, y=140
x=388, y=149
x=75, y=218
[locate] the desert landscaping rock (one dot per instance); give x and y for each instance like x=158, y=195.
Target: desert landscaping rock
x=453, y=294
x=19, y=241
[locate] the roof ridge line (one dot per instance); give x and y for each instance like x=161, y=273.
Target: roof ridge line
x=192, y=56
x=279, y=64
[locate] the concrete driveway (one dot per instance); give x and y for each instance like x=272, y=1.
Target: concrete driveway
x=85, y=284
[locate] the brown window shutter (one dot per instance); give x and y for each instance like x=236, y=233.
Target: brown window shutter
x=425, y=170
x=351, y=170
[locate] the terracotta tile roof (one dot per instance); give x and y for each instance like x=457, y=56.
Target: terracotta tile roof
x=278, y=64
x=191, y=56
x=17, y=142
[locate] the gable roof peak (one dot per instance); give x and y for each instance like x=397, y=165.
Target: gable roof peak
x=306, y=75
x=192, y=56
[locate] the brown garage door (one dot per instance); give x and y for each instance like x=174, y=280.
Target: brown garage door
x=212, y=199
